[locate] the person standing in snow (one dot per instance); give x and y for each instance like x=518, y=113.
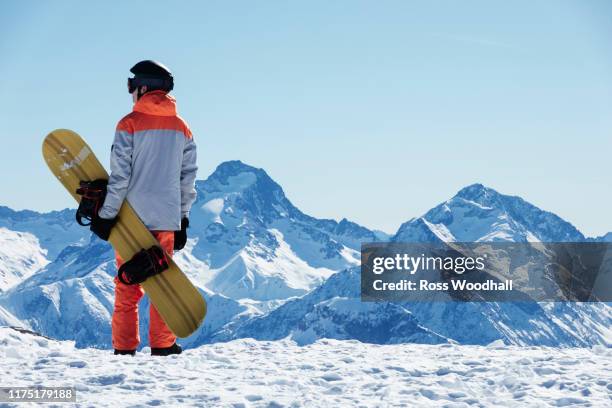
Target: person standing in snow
x=153, y=166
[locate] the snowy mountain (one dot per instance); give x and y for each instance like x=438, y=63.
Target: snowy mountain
x=269, y=271
x=71, y=298
x=256, y=244
x=249, y=250
x=30, y=240
x=476, y=213
x=334, y=311
x=481, y=214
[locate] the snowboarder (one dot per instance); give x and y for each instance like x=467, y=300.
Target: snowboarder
x=153, y=165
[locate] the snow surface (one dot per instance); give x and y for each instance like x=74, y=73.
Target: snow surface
x=328, y=373
x=214, y=207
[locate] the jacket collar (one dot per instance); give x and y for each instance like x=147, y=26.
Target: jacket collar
x=156, y=103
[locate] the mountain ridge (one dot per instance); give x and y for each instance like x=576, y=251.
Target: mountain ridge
x=268, y=270
x=492, y=216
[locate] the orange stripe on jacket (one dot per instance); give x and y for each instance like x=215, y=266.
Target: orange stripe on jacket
x=155, y=110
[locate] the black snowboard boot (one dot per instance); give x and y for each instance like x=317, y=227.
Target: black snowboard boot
x=166, y=351
x=125, y=352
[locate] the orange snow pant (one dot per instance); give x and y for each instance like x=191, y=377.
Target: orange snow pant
x=125, y=315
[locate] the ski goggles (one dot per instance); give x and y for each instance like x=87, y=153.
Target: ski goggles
x=157, y=83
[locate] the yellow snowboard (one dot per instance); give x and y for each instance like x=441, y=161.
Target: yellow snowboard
x=178, y=302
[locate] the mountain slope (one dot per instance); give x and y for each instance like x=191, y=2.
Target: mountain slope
x=54, y=230
x=20, y=257
x=334, y=311
x=30, y=240
x=258, y=245
x=71, y=298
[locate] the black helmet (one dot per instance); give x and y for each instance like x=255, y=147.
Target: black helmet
x=153, y=75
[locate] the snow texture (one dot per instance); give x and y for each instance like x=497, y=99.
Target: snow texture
x=328, y=373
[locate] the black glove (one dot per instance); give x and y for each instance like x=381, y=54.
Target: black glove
x=180, y=237
x=102, y=227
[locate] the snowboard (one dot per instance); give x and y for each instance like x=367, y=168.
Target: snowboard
x=179, y=303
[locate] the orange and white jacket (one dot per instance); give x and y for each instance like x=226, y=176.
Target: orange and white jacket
x=153, y=164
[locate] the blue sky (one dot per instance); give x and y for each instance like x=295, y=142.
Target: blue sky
x=374, y=111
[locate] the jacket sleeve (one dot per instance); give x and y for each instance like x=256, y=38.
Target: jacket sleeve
x=121, y=171
x=188, y=176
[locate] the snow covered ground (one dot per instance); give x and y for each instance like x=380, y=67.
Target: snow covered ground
x=328, y=373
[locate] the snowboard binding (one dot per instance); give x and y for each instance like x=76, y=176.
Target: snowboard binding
x=92, y=198
x=144, y=264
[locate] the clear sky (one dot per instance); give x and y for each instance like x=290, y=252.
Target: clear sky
x=371, y=110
